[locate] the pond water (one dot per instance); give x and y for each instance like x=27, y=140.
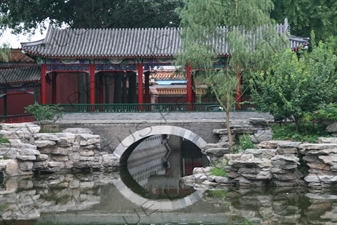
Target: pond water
x=119, y=198
x=149, y=191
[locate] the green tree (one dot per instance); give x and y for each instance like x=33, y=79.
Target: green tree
x=4, y=52
x=26, y=16
x=249, y=36
x=296, y=83
x=308, y=15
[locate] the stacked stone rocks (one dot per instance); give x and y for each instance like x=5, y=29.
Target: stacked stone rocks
x=273, y=163
x=321, y=159
x=20, y=154
x=257, y=128
x=285, y=163
x=72, y=149
x=248, y=169
x=26, y=199
x=75, y=148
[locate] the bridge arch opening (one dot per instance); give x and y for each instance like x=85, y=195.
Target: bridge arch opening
x=152, y=162
x=170, y=136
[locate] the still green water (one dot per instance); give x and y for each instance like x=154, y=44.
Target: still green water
x=114, y=198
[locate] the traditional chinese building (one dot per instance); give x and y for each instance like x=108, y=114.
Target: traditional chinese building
x=113, y=66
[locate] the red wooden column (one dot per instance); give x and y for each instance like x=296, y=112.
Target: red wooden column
x=147, y=87
x=43, y=84
x=92, y=84
x=189, y=91
x=140, y=72
x=238, y=96
x=53, y=87
x=101, y=89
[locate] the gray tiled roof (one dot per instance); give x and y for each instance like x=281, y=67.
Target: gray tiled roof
x=121, y=43
x=20, y=75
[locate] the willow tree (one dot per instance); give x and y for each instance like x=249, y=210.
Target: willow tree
x=4, y=52
x=244, y=27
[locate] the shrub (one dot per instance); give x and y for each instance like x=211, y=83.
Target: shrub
x=246, y=142
x=218, y=171
x=45, y=112
x=307, y=133
x=3, y=140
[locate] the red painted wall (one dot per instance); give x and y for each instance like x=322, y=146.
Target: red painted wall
x=16, y=103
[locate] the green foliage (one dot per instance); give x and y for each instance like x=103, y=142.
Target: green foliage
x=5, y=157
x=218, y=171
x=296, y=84
x=307, y=15
x=218, y=194
x=4, y=52
x=3, y=140
x=26, y=17
x=246, y=142
x=202, y=34
x=326, y=113
x=307, y=132
x=45, y=112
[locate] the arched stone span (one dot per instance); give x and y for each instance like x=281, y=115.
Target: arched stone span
x=158, y=130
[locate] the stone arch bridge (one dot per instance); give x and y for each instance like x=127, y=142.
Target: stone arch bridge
x=129, y=128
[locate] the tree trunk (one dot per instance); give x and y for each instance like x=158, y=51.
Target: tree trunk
x=230, y=139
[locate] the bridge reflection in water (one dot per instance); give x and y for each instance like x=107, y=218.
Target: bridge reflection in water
x=148, y=191
x=154, y=169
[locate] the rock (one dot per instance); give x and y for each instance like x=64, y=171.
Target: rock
x=12, y=167
x=87, y=153
x=242, y=157
x=268, y=144
x=262, y=135
x=40, y=165
x=218, y=152
x=288, y=144
x=327, y=140
x=87, y=185
x=60, y=158
x=75, y=156
x=25, y=184
x=61, y=151
x=55, y=164
x=26, y=166
x=46, y=136
x=200, y=177
x=29, y=152
x=220, y=131
x=87, y=139
x=201, y=170
x=208, y=183
x=44, y=143
x=242, y=130
x=75, y=183
x=332, y=128
x=65, y=139
x=26, y=157
x=41, y=157
x=319, y=166
x=310, y=146
x=258, y=121
x=261, y=153
x=221, y=180
x=216, y=145
x=284, y=151
x=27, y=127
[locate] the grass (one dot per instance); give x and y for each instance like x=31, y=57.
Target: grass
x=217, y=171
x=307, y=132
x=246, y=142
x=3, y=140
